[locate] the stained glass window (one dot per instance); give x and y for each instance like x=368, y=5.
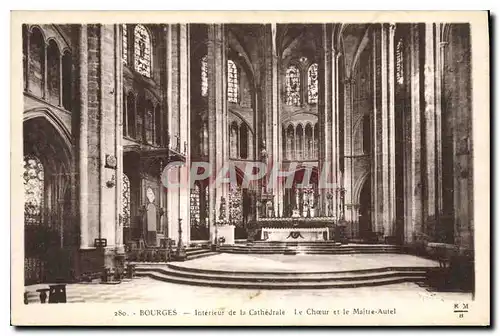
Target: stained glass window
x=312, y=85
x=33, y=189
x=232, y=82
x=399, y=62
x=142, y=47
x=235, y=206
x=126, y=201
x=195, y=206
x=124, y=44
x=292, y=86
x=204, y=76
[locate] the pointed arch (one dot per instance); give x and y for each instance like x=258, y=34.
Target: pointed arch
x=300, y=142
x=142, y=50
x=312, y=84
x=53, y=72
x=125, y=44
x=54, y=120
x=36, y=65
x=232, y=82
x=243, y=143
x=204, y=76
x=309, y=141
x=290, y=141
x=292, y=86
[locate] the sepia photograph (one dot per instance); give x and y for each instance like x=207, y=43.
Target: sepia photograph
x=250, y=169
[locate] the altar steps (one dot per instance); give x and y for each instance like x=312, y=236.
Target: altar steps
x=309, y=248
x=198, y=252
x=281, y=280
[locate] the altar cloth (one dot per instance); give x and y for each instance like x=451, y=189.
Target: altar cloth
x=294, y=234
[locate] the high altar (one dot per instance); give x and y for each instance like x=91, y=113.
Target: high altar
x=295, y=229
x=301, y=226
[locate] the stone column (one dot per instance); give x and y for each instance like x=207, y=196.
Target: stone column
x=295, y=139
x=413, y=218
x=173, y=109
x=61, y=78
x=432, y=133
x=348, y=183
x=98, y=149
x=276, y=154
x=378, y=194
x=217, y=122
x=120, y=106
x=385, y=164
x=82, y=141
x=458, y=92
x=184, y=123
x=325, y=123
x=45, y=92
x=170, y=221
x=28, y=60
x=335, y=130
x=108, y=200
x=384, y=182
x=391, y=91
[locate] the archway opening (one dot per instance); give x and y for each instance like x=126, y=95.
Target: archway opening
x=365, y=202
x=49, y=224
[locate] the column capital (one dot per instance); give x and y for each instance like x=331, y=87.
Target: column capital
x=392, y=27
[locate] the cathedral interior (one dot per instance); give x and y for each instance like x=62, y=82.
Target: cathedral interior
x=380, y=111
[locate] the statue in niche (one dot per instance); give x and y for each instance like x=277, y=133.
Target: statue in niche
x=269, y=208
x=297, y=200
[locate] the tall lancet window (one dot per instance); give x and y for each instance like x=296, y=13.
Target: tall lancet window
x=292, y=86
x=195, y=206
x=124, y=44
x=204, y=76
x=312, y=84
x=232, y=82
x=399, y=63
x=142, y=53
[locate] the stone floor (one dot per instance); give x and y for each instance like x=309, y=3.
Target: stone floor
x=143, y=290
x=305, y=262
x=146, y=290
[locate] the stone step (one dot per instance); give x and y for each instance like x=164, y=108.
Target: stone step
x=181, y=267
x=206, y=253
x=282, y=277
x=246, y=283
x=193, y=252
x=316, y=245
x=310, y=250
